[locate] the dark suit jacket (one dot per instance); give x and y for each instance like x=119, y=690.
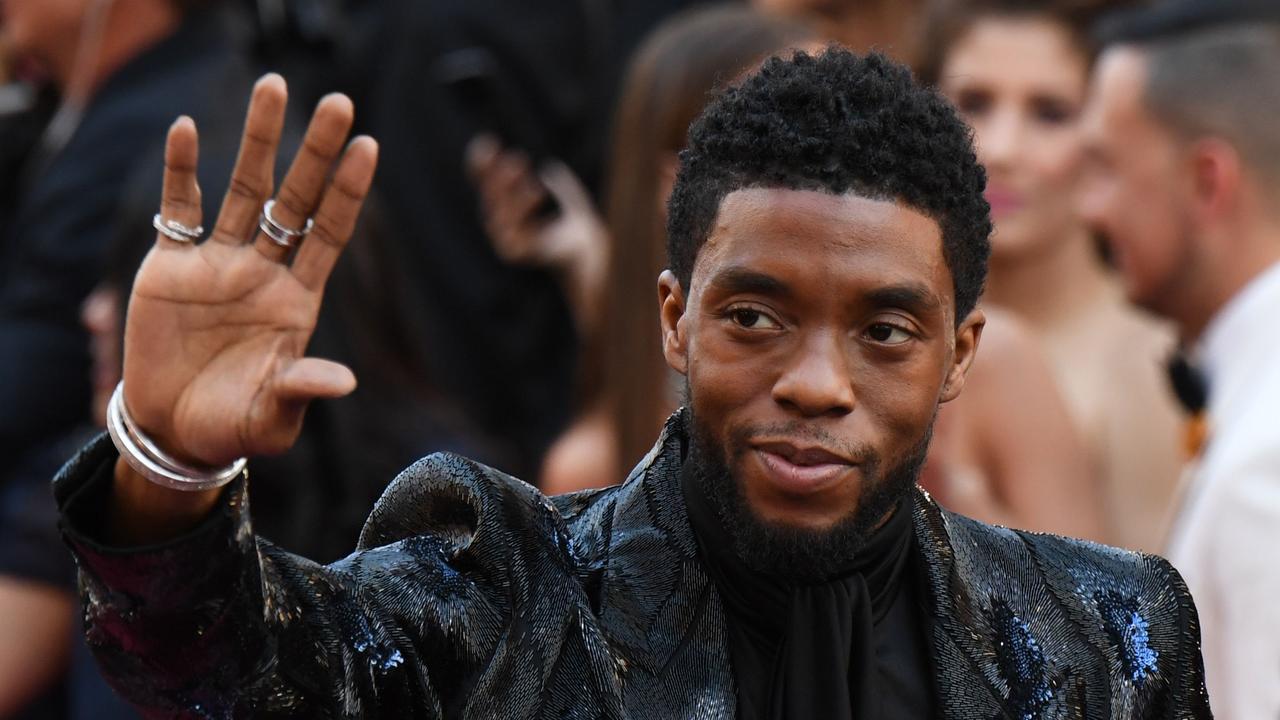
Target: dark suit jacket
x=472, y=595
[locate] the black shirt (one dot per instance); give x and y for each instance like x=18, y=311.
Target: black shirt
x=853, y=647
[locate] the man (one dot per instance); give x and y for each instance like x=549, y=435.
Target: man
x=1186, y=188
x=122, y=70
x=770, y=558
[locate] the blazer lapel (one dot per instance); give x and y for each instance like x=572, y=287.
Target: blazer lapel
x=1003, y=642
x=657, y=604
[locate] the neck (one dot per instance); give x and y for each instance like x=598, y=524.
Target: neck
x=1240, y=264
x=886, y=25
x=109, y=38
x=1046, y=289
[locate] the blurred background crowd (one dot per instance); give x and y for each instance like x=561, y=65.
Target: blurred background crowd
x=499, y=298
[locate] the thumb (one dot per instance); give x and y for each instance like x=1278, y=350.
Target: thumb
x=565, y=186
x=312, y=378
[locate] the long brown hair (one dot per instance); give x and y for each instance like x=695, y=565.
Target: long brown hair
x=668, y=82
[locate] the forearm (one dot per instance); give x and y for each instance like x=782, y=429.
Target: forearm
x=143, y=513
x=582, y=280
x=35, y=637
x=172, y=623
x=216, y=618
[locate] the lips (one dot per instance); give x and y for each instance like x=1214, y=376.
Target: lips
x=801, y=470
x=1002, y=202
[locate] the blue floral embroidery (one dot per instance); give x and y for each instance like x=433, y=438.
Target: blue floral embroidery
x=1021, y=662
x=1128, y=630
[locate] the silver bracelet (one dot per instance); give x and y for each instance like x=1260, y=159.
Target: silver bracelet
x=155, y=464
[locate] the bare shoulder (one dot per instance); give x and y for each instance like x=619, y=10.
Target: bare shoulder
x=1008, y=357
x=1136, y=339
x=584, y=457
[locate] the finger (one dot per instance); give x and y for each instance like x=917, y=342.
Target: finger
x=313, y=378
x=565, y=186
x=253, y=177
x=481, y=151
x=517, y=206
x=300, y=192
x=512, y=192
x=508, y=172
x=335, y=219
x=180, y=193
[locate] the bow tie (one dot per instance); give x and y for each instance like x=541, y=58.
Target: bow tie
x=1192, y=390
x=1189, y=384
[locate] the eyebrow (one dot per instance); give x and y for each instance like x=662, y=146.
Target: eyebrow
x=738, y=279
x=911, y=297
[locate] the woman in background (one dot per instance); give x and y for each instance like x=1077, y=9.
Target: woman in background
x=1018, y=70
x=892, y=27
x=610, y=267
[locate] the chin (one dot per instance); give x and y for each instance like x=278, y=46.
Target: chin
x=799, y=515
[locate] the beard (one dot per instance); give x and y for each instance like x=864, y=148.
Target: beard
x=799, y=554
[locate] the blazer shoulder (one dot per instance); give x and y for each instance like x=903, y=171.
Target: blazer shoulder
x=1085, y=603
x=1083, y=561
x=452, y=497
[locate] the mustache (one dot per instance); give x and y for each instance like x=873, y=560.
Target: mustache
x=739, y=439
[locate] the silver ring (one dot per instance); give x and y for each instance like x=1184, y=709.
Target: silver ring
x=176, y=231
x=280, y=235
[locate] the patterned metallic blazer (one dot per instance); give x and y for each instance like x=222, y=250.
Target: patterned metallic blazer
x=472, y=595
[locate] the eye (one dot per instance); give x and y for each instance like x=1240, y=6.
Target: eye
x=887, y=334
x=1052, y=111
x=973, y=103
x=752, y=319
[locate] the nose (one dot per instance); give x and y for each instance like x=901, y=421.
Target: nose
x=817, y=379
x=1000, y=138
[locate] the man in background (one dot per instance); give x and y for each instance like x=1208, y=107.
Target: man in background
x=120, y=70
x=1186, y=188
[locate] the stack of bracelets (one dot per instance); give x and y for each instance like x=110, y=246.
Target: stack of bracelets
x=155, y=464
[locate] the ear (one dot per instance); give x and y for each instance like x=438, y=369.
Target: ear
x=968, y=335
x=671, y=305
x=1216, y=176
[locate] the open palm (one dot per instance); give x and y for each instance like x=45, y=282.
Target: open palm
x=214, y=363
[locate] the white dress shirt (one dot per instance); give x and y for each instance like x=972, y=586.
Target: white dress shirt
x=1226, y=539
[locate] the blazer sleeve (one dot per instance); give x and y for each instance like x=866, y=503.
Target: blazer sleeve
x=1188, y=700
x=219, y=623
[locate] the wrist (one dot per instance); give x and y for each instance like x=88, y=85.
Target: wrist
x=142, y=512
x=148, y=460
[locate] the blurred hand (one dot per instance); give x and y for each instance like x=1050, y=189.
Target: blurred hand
x=511, y=197
x=215, y=335
x=573, y=242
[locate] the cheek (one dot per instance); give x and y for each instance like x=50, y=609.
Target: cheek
x=724, y=376
x=1155, y=240
x=1146, y=231
x=901, y=397
x=1053, y=158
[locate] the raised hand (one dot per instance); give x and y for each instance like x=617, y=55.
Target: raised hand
x=214, y=364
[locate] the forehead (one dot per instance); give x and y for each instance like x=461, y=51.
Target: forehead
x=821, y=240
x=1046, y=51
x=1116, y=103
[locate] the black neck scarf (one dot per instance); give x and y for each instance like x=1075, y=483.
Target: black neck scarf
x=803, y=651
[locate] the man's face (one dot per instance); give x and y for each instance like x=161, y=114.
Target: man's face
x=1135, y=195
x=818, y=337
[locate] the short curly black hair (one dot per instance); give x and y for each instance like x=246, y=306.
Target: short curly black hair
x=837, y=122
